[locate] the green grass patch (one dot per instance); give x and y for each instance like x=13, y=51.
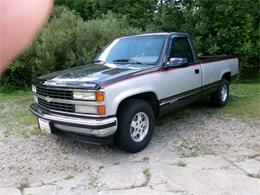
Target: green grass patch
x=244, y=98
x=16, y=120
x=15, y=95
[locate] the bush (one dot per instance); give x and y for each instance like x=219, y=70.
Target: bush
x=66, y=41
x=229, y=28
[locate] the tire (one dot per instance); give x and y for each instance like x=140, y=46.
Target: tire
x=130, y=125
x=221, y=96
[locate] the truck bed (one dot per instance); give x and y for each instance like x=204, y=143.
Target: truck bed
x=204, y=59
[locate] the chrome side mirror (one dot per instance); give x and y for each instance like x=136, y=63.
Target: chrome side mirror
x=177, y=62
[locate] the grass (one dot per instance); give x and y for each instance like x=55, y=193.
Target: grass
x=181, y=164
x=244, y=99
x=147, y=176
x=69, y=177
x=16, y=120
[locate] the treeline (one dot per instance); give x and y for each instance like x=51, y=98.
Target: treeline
x=77, y=29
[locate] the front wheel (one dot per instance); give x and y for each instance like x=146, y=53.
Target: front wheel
x=220, y=97
x=135, y=125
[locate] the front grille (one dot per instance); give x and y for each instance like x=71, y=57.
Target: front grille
x=53, y=93
x=56, y=106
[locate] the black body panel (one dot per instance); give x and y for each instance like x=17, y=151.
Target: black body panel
x=205, y=59
x=96, y=75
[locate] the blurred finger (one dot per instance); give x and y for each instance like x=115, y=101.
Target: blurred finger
x=20, y=20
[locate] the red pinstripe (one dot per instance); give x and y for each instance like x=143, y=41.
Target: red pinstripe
x=170, y=69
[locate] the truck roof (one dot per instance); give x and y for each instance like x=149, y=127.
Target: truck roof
x=159, y=33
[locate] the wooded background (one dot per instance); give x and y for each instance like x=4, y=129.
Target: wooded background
x=78, y=28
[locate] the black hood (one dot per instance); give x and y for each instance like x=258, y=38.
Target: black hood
x=94, y=76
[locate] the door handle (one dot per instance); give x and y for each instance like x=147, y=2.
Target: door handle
x=197, y=71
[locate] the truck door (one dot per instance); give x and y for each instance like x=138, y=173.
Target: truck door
x=182, y=84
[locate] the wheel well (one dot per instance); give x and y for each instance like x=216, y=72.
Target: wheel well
x=227, y=76
x=149, y=97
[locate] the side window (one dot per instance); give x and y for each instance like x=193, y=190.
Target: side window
x=181, y=49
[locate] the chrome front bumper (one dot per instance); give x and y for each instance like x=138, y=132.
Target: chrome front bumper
x=95, y=127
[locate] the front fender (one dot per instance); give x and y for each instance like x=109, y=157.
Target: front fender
x=116, y=94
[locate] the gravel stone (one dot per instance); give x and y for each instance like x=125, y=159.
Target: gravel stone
x=220, y=152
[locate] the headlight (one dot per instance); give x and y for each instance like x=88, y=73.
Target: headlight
x=34, y=88
x=86, y=95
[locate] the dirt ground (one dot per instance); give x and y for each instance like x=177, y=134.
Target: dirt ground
x=196, y=150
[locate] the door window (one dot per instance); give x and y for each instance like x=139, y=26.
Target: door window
x=181, y=49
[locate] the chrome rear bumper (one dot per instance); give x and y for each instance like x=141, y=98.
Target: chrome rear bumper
x=96, y=127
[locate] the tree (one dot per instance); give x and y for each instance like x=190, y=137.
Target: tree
x=229, y=27
x=138, y=12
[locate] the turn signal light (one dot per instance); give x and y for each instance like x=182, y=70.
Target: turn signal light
x=100, y=96
x=101, y=110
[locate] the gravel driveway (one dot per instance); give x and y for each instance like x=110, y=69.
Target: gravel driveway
x=193, y=151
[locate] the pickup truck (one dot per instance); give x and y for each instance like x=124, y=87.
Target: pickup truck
x=131, y=82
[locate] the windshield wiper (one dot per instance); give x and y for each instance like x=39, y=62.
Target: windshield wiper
x=130, y=61
x=98, y=61
x=121, y=60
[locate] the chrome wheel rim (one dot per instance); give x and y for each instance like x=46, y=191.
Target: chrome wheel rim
x=139, y=127
x=224, y=93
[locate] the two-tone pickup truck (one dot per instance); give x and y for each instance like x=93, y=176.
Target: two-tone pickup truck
x=132, y=81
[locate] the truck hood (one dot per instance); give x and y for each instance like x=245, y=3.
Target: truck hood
x=94, y=76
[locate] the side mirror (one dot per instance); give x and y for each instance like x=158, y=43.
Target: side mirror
x=177, y=62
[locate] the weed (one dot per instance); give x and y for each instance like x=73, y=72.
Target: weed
x=181, y=164
x=100, y=167
x=69, y=177
x=147, y=175
x=253, y=175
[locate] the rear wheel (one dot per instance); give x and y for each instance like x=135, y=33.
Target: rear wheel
x=221, y=96
x=135, y=125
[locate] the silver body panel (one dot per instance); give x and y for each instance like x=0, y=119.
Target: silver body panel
x=213, y=71
x=167, y=83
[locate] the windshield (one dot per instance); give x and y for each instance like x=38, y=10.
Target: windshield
x=140, y=50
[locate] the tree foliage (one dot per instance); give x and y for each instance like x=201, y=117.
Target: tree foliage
x=229, y=27
x=75, y=32
x=138, y=12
